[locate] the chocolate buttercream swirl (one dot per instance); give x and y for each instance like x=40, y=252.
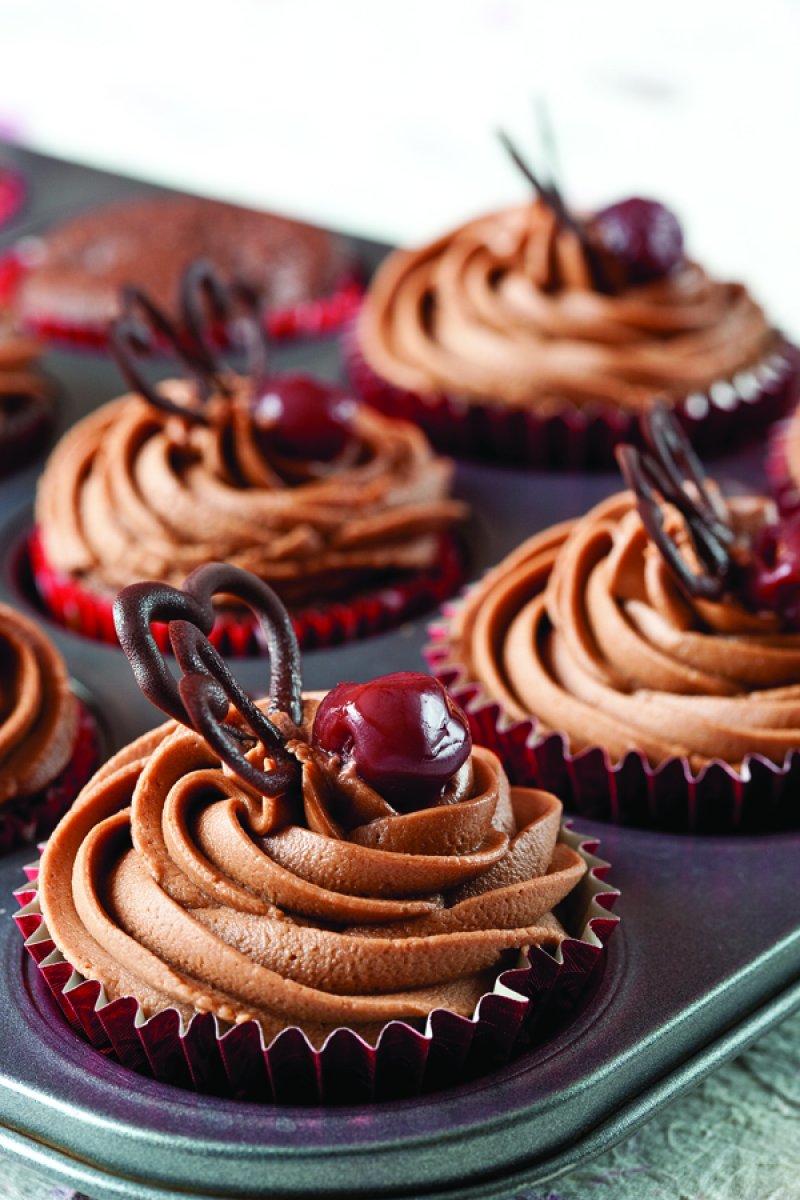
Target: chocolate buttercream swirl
x=38, y=712
x=586, y=628
x=132, y=492
x=173, y=882
x=504, y=308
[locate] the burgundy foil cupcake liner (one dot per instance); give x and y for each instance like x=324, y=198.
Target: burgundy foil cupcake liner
x=527, y=1004
x=729, y=412
x=26, y=819
x=758, y=797
x=307, y=319
x=370, y=611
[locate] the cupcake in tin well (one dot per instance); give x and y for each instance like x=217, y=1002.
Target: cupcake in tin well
x=66, y=283
x=534, y=337
x=345, y=512
x=27, y=405
x=341, y=881
x=644, y=660
x=48, y=738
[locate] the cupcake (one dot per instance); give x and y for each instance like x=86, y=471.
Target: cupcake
x=532, y=337
x=344, y=511
x=644, y=660
x=26, y=399
x=266, y=899
x=48, y=738
x=69, y=279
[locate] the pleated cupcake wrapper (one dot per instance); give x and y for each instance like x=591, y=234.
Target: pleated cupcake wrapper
x=26, y=819
x=760, y=796
x=369, y=611
x=527, y=1004
x=728, y=412
x=306, y=319
x=13, y=191
x=784, y=487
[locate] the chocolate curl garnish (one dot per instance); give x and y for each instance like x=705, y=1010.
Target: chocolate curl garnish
x=207, y=305
x=202, y=698
x=672, y=474
x=552, y=197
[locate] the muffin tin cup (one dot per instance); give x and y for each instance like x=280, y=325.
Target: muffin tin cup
x=307, y=319
x=758, y=797
x=25, y=820
x=728, y=412
x=13, y=191
x=527, y=1004
x=368, y=612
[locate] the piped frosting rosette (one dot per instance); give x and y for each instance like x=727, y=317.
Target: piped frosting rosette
x=273, y=903
x=500, y=342
x=47, y=737
x=586, y=664
x=353, y=526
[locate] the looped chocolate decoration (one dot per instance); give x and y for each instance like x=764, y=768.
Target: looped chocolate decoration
x=201, y=699
x=671, y=473
x=206, y=304
x=551, y=196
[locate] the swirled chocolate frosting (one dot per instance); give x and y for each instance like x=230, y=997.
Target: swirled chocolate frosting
x=504, y=308
x=172, y=881
x=38, y=712
x=133, y=492
x=585, y=628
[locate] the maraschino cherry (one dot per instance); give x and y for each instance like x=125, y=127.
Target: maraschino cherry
x=300, y=417
x=642, y=237
x=772, y=577
x=404, y=735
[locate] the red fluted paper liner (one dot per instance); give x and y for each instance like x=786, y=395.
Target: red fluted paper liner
x=785, y=488
x=12, y=193
x=24, y=820
x=319, y=317
x=528, y=1003
x=729, y=411
x=758, y=797
x=370, y=611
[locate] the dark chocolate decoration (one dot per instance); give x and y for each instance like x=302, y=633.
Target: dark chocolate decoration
x=669, y=472
x=202, y=697
x=208, y=309
x=551, y=195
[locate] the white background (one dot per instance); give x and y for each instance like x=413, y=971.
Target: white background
x=379, y=117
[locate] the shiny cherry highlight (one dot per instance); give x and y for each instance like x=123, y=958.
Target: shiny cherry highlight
x=403, y=733
x=298, y=416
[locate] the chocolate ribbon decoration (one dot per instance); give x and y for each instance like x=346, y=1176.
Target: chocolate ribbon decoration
x=671, y=473
x=205, y=302
x=201, y=698
x=551, y=195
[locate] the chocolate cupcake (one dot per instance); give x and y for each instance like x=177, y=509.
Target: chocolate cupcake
x=644, y=660
x=343, y=875
x=71, y=277
x=26, y=399
x=344, y=511
x=48, y=738
x=530, y=336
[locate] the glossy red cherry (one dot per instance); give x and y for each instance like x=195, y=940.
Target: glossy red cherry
x=301, y=417
x=641, y=235
x=404, y=734
x=772, y=582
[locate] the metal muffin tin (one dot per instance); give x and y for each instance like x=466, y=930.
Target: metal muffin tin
x=707, y=956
